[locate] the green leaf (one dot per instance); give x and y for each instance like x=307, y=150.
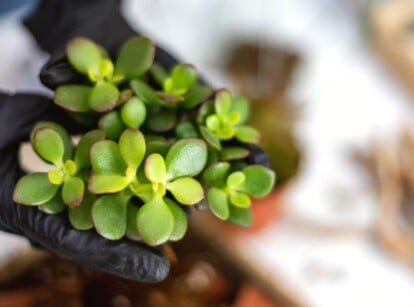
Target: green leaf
x=67, y=140
x=103, y=97
x=82, y=153
x=163, y=121
x=186, y=190
x=73, y=97
x=155, y=169
x=55, y=176
x=106, y=69
x=84, y=54
x=133, y=113
x=124, y=96
x=132, y=148
x=102, y=184
x=242, y=106
x=247, y=134
x=160, y=147
x=235, y=179
x=187, y=157
x=34, y=189
x=155, y=222
x=259, y=180
x=240, y=216
x=106, y=158
x=135, y=58
x=81, y=217
x=72, y=191
x=205, y=110
x=158, y=73
x=218, y=203
x=182, y=77
x=131, y=230
x=216, y=172
x=112, y=124
x=240, y=199
x=49, y=145
x=186, y=130
x=233, y=153
x=222, y=103
x=109, y=215
x=196, y=95
x=210, y=137
x=145, y=92
x=53, y=206
x=180, y=220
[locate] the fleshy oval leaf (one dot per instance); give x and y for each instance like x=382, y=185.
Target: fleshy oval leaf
x=81, y=217
x=103, y=97
x=73, y=97
x=132, y=147
x=186, y=130
x=210, y=138
x=135, y=57
x=133, y=113
x=240, y=199
x=82, y=153
x=112, y=124
x=218, y=203
x=102, y=184
x=240, y=216
x=146, y=93
x=233, y=153
x=196, y=95
x=155, y=222
x=186, y=190
x=106, y=158
x=163, y=121
x=131, y=230
x=242, y=106
x=84, y=54
x=259, y=180
x=187, y=157
x=109, y=215
x=222, y=103
x=180, y=220
x=49, y=145
x=72, y=191
x=247, y=134
x=155, y=169
x=216, y=172
x=53, y=206
x=34, y=189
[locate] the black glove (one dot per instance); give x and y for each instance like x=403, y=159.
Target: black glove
x=133, y=260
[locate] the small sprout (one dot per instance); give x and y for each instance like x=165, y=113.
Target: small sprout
x=182, y=77
x=133, y=113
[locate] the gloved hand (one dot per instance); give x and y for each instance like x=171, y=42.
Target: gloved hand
x=133, y=260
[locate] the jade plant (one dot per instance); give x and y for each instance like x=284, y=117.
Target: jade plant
x=158, y=142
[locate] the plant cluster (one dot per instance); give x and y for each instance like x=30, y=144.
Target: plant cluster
x=159, y=142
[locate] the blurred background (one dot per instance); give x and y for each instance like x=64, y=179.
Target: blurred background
x=332, y=90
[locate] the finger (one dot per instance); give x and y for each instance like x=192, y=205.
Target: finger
x=132, y=260
x=19, y=113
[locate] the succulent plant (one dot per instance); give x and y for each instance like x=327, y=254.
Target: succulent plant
x=159, y=142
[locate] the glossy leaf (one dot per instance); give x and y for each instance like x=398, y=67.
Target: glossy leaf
x=34, y=189
x=180, y=220
x=81, y=217
x=82, y=153
x=106, y=158
x=109, y=215
x=84, y=54
x=106, y=69
x=182, y=77
x=235, y=179
x=145, y=92
x=103, y=97
x=160, y=147
x=218, y=203
x=216, y=172
x=155, y=222
x=196, y=95
x=132, y=147
x=102, y=184
x=163, y=121
x=259, y=180
x=210, y=138
x=233, y=153
x=72, y=191
x=53, y=206
x=186, y=130
x=158, y=73
x=133, y=113
x=73, y=97
x=112, y=124
x=241, y=105
x=187, y=157
x=67, y=140
x=55, y=176
x=155, y=169
x=240, y=216
x=135, y=57
x=131, y=230
x=49, y=145
x=186, y=190
x=247, y=134
x=240, y=199
x=222, y=103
